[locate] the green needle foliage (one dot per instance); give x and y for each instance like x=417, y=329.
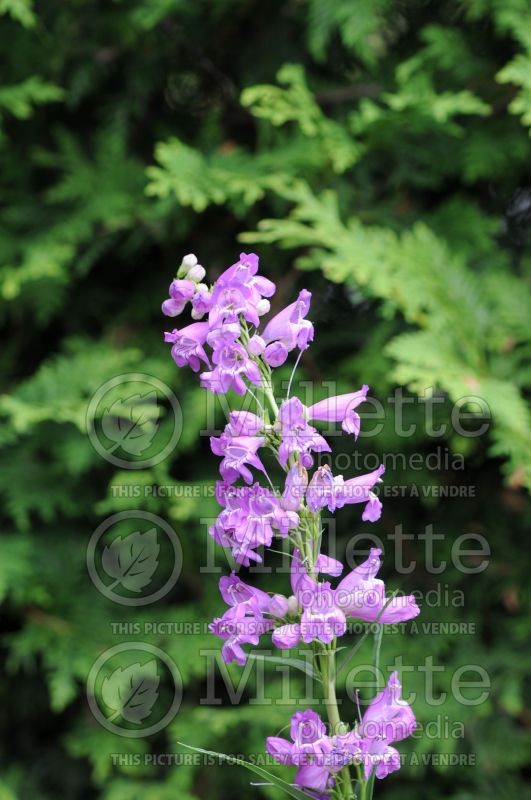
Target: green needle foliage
x=376, y=151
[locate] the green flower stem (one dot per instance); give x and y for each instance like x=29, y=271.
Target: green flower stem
x=328, y=677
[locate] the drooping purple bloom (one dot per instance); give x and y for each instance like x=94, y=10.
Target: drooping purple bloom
x=188, y=345
x=388, y=719
x=340, y=408
x=297, y=436
x=287, y=330
x=360, y=594
x=181, y=292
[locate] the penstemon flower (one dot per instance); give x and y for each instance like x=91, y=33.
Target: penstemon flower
x=227, y=344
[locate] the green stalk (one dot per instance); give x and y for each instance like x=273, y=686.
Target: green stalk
x=328, y=677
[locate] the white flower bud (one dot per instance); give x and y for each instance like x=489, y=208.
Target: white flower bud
x=196, y=273
x=262, y=307
x=293, y=606
x=189, y=261
x=201, y=288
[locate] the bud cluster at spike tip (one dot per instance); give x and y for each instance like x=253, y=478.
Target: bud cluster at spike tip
x=233, y=349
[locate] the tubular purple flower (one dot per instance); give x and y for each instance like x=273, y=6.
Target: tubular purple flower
x=289, y=326
x=244, y=423
x=256, y=345
x=320, y=491
x=188, y=345
x=238, y=291
x=232, y=365
x=360, y=594
x=240, y=624
x=321, y=619
x=298, y=438
x=250, y=519
x=237, y=452
x=234, y=591
x=332, y=492
x=340, y=408
x=288, y=636
x=275, y=354
x=388, y=719
x=201, y=301
x=356, y=490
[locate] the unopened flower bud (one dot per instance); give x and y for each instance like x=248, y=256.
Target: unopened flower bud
x=293, y=606
x=196, y=273
x=189, y=261
x=256, y=345
x=278, y=606
x=262, y=307
x=201, y=288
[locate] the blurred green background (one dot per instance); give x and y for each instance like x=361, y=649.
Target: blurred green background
x=375, y=151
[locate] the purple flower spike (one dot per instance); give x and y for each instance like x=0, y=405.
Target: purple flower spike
x=340, y=408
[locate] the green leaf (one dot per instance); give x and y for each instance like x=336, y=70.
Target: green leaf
x=263, y=773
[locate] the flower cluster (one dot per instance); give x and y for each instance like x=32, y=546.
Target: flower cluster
x=319, y=756
x=232, y=349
